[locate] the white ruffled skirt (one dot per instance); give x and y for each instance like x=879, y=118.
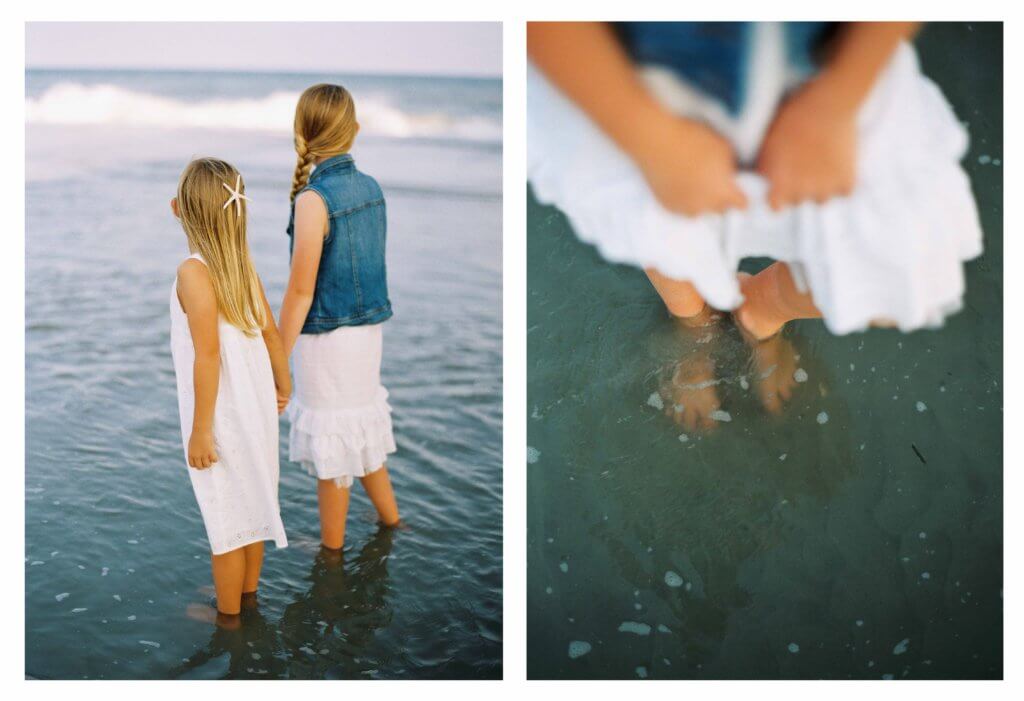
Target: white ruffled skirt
x=892, y=251
x=340, y=417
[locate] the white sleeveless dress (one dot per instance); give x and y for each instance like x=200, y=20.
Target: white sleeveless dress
x=893, y=249
x=238, y=495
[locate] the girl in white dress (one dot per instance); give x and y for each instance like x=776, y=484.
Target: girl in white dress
x=682, y=148
x=333, y=313
x=231, y=373
x=846, y=171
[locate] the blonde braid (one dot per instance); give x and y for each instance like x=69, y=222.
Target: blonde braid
x=325, y=126
x=302, y=167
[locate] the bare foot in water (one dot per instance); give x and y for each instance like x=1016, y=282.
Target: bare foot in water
x=691, y=390
x=774, y=358
x=692, y=395
x=210, y=615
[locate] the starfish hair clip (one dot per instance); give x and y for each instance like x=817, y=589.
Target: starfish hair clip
x=236, y=196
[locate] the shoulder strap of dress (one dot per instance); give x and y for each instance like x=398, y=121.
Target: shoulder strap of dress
x=199, y=257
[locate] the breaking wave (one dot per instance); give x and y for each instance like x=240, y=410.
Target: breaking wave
x=72, y=103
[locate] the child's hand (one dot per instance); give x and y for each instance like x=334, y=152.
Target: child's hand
x=692, y=170
x=284, y=393
x=201, y=451
x=810, y=151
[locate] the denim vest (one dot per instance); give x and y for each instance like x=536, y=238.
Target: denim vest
x=714, y=56
x=351, y=283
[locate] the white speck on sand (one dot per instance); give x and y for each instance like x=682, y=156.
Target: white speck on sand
x=662, y=628
x=61, y=597
x=743, y=383
x=859, y=623
x=922, y=535
x=655, y=401
x=672, y=579
x=793, y=647
x=578, y=648
x=117, y=597
x=104, y=571
x=823, y=418
x=901, y=646
x=984, y=158
x=78, y=610
x=887, y=677
x=926, y=575
x=635, y=628
x=532, y=455
x=719, y=415
x=36, y=562
x=150, y=643
x=132, y=617
x=921, y=406
x=641, y=672
x=800, y=375
x=548, y=590
x=564, y=566
x=683, y=438
x=783, y=456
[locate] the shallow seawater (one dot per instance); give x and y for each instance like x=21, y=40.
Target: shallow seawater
x=115, y=547
x=858, y=534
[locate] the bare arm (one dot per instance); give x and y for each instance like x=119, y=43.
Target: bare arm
x=195, y=291
x=689, y=167
x=278, y=358
x=810, y=151
x=310, y=229
x=862, y=50
x=585, y=60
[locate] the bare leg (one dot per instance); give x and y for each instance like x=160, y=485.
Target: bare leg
x=228, y=576
x=333, y=513
x=681, y=298
x=378, y=487
x=771, y=299
x=774, y=360
x=253, y=564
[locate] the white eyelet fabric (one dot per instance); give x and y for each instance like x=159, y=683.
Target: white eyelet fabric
x=237, y=496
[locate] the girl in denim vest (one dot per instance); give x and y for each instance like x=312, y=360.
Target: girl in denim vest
x=684, y=147
x=332, y=315
x=230, y=368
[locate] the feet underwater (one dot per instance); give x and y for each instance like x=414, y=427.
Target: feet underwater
x=708, y=358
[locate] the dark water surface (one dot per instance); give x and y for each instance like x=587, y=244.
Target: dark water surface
x=856, y=535
x=115, y=547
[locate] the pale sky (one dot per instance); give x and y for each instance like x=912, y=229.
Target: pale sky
x=435, y=48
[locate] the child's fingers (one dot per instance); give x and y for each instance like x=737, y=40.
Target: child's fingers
x=211, y=459
x=735, y=198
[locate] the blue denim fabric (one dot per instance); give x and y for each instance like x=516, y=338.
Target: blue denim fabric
x=351, y=283
x=714, y=56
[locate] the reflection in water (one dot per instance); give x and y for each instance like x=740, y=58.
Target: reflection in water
x=326, y=633
x=329, y=630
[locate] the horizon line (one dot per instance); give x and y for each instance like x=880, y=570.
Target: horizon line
x=273, y=71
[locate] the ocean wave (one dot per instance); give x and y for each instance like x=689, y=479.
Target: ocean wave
x=71, y=103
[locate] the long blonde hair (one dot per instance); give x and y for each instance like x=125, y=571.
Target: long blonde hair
x=325, y=125
x=218, y=234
